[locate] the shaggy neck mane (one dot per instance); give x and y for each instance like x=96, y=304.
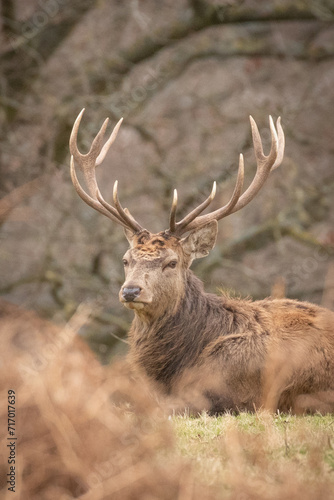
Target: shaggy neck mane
x=168, y=345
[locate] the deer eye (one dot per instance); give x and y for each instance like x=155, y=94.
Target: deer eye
x=125, y=262
x=172, y=264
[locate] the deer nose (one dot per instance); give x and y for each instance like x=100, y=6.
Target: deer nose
x=129, y=294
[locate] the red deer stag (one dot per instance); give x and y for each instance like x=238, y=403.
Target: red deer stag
x=215, y=352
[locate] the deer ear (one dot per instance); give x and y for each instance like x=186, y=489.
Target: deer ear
x=200, y=241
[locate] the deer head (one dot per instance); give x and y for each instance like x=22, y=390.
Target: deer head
x=155, y=264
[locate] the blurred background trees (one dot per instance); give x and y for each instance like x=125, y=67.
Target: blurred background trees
x=185, y=76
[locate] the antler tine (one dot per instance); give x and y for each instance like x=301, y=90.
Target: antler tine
x=172, y=217
x=179, y=226
x=128, y=221
x=226, y=209
x=265, y=164
x=87, y=164
x=109, y=142
x=124, y=213
x=281, y=144
x=91, y=201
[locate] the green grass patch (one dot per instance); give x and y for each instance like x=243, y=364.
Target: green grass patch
x=261, y=456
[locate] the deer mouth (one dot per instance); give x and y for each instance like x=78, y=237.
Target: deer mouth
x=136, y=305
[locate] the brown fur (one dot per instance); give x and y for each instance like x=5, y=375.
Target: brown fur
x=218, y=353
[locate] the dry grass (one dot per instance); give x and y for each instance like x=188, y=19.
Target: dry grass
x=92, y=432
x=261, y=456
x=83, y=430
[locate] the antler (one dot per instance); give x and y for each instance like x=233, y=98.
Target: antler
x=87, y=164
x=265, y=164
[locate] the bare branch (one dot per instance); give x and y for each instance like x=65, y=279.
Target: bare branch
x=206, y=15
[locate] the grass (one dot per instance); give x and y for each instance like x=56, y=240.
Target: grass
x=261, y=456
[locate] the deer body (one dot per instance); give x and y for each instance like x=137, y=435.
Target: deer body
x=220, y=354
x=213, y=352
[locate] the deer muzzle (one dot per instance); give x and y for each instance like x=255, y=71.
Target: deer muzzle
x=133, y=296
x=129, y=294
